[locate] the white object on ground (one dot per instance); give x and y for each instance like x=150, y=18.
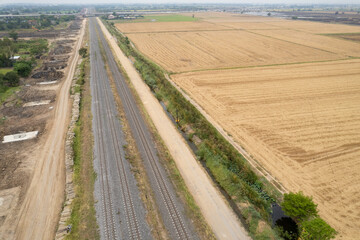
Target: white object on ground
x=47, y=83
x=20, y=136
x=36, y=103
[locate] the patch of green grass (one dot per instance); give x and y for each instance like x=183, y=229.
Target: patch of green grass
x=159, y=18
x=5, y=70
x=6, y=92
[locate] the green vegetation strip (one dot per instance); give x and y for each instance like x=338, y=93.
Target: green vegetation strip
x=228, y=167
x=83, y=214
x=6, y=92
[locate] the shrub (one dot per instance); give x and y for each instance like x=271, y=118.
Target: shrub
x=298, y=206
x=317, y=229
x=23, y=69
x=11, y=79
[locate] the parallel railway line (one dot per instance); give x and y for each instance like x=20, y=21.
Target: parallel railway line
x=179, y=229
x=101, y=93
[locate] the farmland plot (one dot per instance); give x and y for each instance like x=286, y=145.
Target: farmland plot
x=301, y=122
x=178, y=52
x=285, y=92
x=326, y=43
x=315, y=27
x=167, y=27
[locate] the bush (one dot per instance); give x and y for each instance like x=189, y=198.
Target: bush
x=11, y=79
x=83, y=52
x=23, y=68
x=298, y=206
x=38, y=48
x=317, y=229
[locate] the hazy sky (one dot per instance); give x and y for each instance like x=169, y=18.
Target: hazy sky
x=185, y=1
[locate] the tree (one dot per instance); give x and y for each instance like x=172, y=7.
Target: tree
x=38, y=48
x=82, y=52
x=23, y=68
x=317, y=229
x=14, y=35
x=298, y=206
x=11, y=79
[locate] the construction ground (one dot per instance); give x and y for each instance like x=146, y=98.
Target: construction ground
x=33, y=109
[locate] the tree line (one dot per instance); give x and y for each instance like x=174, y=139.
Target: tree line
x=41, y=22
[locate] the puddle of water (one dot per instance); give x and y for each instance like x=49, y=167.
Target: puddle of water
x=279, y=219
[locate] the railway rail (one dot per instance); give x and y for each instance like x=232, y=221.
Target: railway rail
x=178, y=228
x=107, y=130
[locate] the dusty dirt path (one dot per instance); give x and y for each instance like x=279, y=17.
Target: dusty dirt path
x=217, y=213
x=40, y=210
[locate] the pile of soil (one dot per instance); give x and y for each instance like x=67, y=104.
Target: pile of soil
x=48, y=75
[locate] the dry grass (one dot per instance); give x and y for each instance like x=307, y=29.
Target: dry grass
x=326, y=43
x=178, y=52
x=167, y=27
x=316, y=27
x=301, y=122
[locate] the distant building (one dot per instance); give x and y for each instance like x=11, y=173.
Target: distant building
x=111, y=16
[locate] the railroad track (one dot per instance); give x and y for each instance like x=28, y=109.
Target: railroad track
x=101, y=93
x=133, y=115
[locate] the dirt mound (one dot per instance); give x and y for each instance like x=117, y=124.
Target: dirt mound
x=54, y=65
x=30, y=95
x=66, y=41
x=61, y=49
x=48, y=75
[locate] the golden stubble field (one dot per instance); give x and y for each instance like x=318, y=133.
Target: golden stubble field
x=285, y=91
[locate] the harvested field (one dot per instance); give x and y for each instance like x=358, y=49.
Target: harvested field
x=178, y=52
x=301, y=122
x=315, y=27
x=325, y=43
x=167, y=27
x=287, y=91
x=351, y=37
x=249, y=25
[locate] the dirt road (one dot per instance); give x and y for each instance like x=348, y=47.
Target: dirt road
x=212, y=204
x=40, y=210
